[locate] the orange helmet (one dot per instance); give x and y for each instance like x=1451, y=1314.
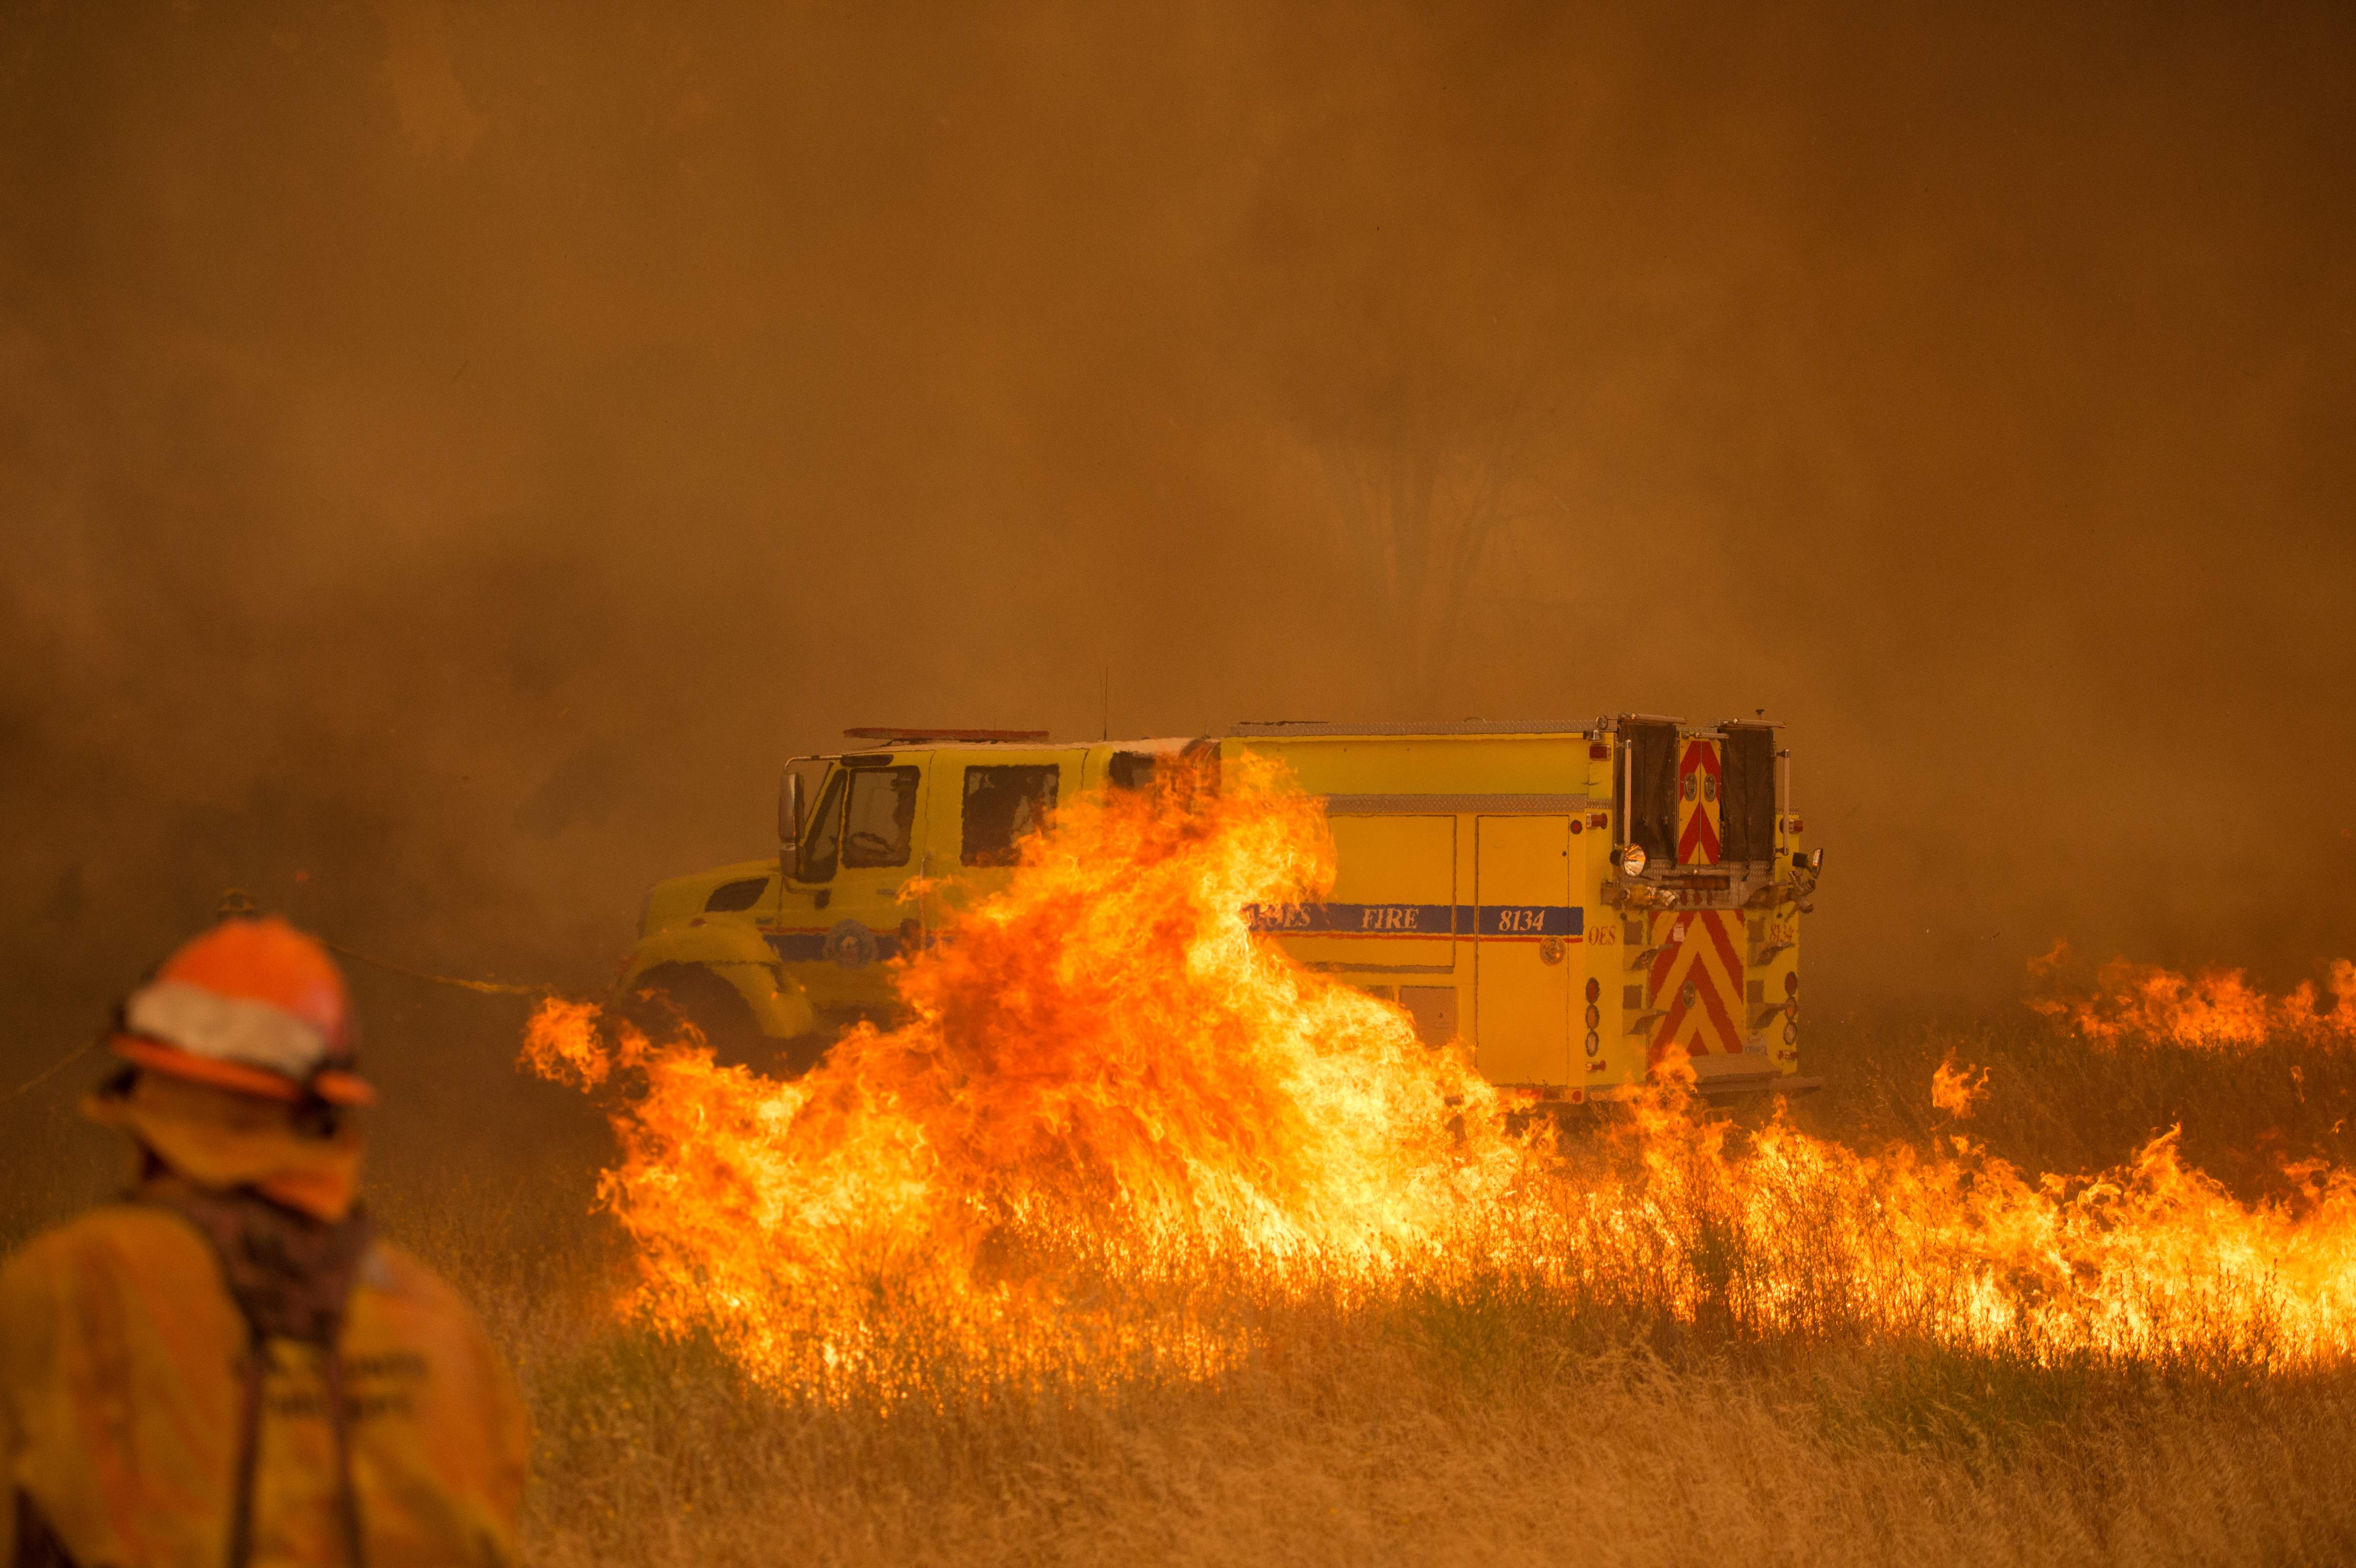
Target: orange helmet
x=250, y=1005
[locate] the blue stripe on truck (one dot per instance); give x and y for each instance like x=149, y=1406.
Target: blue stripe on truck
x=1418, y=920
x=809, y=946
x=799, y=946
x=1444, y=922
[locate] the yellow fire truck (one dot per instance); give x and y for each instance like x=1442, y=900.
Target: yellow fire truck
x=1577, y=903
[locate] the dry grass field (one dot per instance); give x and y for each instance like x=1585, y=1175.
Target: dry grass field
x=1471, y=1415
x=1457, y=1412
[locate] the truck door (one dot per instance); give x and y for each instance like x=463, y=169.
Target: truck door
x=879, y=838
x=1524, y=918
x=841, y=917
x=1693, y=984
x=1391, y=918
x=1701, y=774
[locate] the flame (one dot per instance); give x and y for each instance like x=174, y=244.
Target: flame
x=1104, y=1067
x=1119, y=1131
x=1953, y=1089
x=2215, y=1010
x=2152, y=1259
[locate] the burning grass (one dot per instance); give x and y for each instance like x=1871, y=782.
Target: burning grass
x=2131, y=1004
x=1137, y=1242
x=1111, y=1100
x=1467, y=1411
x=1136, y=1239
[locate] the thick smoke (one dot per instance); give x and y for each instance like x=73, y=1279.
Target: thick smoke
x=453, y=452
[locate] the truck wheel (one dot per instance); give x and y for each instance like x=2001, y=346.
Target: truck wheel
x=799, y=1054
x=659, y=1001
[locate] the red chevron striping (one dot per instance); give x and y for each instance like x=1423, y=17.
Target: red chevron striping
x=1667, y=1034
x=1715, y=1000
x=1666, y=1028
x=1681, y=962
x=1697, y=840
x=1698, y=831
x=1723, y=927
x=1659, y=974
x=1721, y=933
x=1656, y=980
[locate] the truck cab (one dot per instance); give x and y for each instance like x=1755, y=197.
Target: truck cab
x=879, y=844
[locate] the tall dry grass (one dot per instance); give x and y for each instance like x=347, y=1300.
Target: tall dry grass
x=1465, y=1410
x=1477, y=1411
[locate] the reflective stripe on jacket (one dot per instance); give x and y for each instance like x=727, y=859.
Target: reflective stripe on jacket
x=122, y=1392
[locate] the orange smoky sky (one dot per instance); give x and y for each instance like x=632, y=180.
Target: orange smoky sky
x=452, y=453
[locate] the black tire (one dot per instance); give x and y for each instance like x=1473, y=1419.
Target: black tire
x=799, y=1054
x=663, y=999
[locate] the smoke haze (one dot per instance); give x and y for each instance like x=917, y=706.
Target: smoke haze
x=452, y=453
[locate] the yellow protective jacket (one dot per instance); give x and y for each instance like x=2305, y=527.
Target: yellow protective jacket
x=123, y=1393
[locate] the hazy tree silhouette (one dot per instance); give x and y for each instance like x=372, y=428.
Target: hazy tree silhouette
x=1422, y=493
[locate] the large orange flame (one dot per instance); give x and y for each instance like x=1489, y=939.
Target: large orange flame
x=1104, y=1055
x=1111, y=1095
x=2215, y=1010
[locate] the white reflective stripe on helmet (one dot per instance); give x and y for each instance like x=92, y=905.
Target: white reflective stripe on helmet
x=227, y=1028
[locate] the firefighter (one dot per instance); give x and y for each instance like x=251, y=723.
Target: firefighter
x=226, y=1365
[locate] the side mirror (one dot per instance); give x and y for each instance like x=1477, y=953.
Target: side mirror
x=789, y=810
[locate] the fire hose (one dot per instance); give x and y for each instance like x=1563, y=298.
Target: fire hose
x=230, y=906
